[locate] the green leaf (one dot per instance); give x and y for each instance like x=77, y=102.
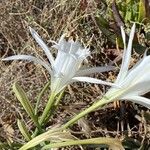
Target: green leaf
x=55, y=135
x=142, y=11
x=40, y=96
x=104, y=27
x=128, y=16
x=131, y=143
x=23, y=130
x=111, y=142
x=139, y=48
x=23, y=99
x=6, y=146
x=147, y=116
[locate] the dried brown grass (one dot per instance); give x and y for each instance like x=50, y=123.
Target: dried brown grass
x=50, y=18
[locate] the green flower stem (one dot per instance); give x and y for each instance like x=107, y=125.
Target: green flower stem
x=102, y=140
x=45, y=114
x=47, y=108
x=40, y=95
x=38, y=125
x=57, y=100
x=96, y=105
x=107, y=98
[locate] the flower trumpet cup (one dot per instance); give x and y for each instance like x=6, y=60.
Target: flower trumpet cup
x=66, y=67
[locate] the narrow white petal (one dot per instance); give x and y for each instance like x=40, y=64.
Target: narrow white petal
x=139, y=73
x=94, y=70
x=93, y=80
x=138, y=99
x=62, y=38
x=62, y=44
x=43, y=45
x=123, y=37
x=126, y=55
x=29, y=58
x=82, y=53
x=141, y=61
x=139, y=88
x=74, y=46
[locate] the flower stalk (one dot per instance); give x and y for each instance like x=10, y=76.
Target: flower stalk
x=95, y=106
x=102, y=140
x=48, y=108
x=45, y=113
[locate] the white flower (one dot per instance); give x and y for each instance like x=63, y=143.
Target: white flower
x=65, y=69
x=134, y=82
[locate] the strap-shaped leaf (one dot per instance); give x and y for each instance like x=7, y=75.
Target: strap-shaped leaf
x=40, y=96
x=23, y=99
x=142, y=11
x=53, y=135
x=111, y=142
x=24, y=131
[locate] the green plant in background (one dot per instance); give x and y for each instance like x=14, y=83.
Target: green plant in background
x=133, y=10
x=124, y=13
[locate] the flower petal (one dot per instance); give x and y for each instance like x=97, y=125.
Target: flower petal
x=60, y=42
x=138, y=74
x=138, y=99
x=43, y=45
x=123, y=37
x=94, y=70
x=74, y=46
x=126, y=55
x=145, y=57
x=139, y=89
x=93, y=80
x=30, y=58
x=82, y=53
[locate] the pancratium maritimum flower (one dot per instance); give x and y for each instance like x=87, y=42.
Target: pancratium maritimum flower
x=134, y=82
x=66, y=68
